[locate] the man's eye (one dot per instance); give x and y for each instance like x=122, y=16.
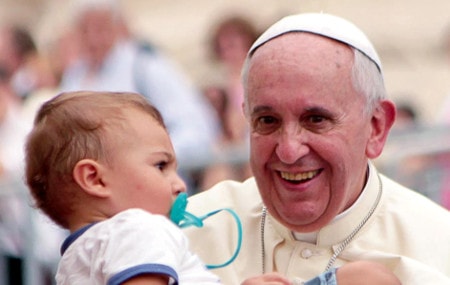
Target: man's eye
x=265, y=124
x=316, y=119
x=318, y=123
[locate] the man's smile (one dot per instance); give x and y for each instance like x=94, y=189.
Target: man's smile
x=300, y=176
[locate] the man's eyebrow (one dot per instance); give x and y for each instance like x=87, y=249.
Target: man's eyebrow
x=317, y=109
x=260, y=109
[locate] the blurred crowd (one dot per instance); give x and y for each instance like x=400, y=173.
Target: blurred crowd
x=99, y=52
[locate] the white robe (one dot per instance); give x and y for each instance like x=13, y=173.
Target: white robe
x=407, y=232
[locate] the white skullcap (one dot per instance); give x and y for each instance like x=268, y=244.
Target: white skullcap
x=326, y=25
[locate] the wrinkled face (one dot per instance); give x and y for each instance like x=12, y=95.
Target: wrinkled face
x=142, y=173
x=308, y=132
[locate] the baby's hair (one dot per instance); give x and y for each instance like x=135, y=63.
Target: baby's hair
x=68, y=128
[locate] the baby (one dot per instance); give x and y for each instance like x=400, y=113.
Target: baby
x=98, y=164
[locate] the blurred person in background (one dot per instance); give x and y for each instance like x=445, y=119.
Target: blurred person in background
x=21, y=63
x=12, y=129
x=22, y=72
x=26, y=70
x=112, y=59
x=443, y=115
x=230, y=39
x=443, y=119
x=55, y=55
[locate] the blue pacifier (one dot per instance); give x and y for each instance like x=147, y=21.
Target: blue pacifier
x=183, y=218
x=180, y=216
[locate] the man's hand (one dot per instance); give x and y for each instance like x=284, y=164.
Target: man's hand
x=365, y=273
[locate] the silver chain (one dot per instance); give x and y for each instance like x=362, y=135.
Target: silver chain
x=263, y=251
x=342, y=246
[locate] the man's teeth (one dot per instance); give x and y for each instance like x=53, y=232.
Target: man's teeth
x=298, y=176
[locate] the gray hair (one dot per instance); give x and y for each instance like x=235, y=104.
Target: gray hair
x=81, y=7
x=366, y=78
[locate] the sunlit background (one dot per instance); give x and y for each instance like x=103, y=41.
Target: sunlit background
x=408, y=34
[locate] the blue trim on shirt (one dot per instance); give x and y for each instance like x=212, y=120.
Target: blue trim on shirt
x=149, y=268
x=326, y=278
x=73, y=237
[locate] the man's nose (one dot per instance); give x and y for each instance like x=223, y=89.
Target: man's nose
x=292, y=144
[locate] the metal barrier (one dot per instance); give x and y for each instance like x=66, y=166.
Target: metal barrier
x=24, y=237
x=419, y=158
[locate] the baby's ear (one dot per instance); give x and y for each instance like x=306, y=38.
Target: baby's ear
x=88, y=173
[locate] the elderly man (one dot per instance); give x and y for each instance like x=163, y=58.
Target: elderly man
x=318, y=113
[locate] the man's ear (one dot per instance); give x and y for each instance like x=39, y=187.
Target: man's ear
x=88, y=174
x=383, y=118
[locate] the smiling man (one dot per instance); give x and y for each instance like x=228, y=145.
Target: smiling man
x=318, y=113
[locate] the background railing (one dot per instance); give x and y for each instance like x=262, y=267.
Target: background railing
x=29, y=242
x=420, y=159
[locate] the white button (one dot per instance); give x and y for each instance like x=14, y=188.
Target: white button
x=306, y=253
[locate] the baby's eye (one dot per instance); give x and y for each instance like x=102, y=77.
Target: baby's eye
x=265, y=124
x=161, y=165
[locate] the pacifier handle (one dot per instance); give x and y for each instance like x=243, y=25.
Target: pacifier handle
x=182, y=219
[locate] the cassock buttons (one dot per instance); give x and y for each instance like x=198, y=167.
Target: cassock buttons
x=306, y=253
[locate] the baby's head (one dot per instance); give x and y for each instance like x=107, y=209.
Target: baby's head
x=91, y=155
